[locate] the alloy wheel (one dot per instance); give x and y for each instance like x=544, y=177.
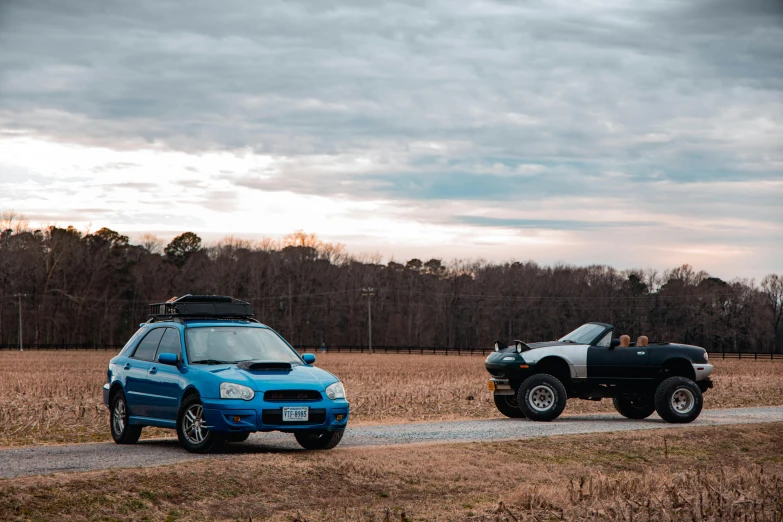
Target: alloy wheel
x=193, y=424
x=118, y=417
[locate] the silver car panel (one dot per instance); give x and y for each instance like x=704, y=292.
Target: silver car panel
x=574, y=354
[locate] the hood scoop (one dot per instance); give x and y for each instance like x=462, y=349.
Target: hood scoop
x=265, y=365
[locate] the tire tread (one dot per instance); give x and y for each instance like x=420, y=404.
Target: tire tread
x=130, y=434
x=662, y=402
x=212, y=440
x=506, y=409
x=633, y=412
x=561, y=397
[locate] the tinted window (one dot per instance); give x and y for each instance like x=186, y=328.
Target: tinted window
x=146, y=349
x=132, y=340
x=170, y=343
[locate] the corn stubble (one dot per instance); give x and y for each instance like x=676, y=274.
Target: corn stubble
x=665, y=496
x=51, y=397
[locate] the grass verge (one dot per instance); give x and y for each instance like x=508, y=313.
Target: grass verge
x=712, y=473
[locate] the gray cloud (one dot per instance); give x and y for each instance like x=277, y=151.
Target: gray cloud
x=483, y=101
x=550, y=224
x=534, y=81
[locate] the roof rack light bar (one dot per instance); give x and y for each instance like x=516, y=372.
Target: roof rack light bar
x=202, y=306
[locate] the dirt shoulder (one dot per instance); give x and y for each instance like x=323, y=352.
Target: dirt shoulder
x=701, y=473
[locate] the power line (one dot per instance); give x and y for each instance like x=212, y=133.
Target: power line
x=126, y=300
x=563, y=297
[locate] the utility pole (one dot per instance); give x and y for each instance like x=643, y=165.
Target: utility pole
x=368, y=293
x=20, y=320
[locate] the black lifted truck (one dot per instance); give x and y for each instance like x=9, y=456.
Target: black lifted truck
x=535, y=380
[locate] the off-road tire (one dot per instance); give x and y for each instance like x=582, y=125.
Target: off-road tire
x=508, y=406
x=119, y=421
x=634, y=406
x=197, y=439
x=542, y=397
x=318, y=440
x=238, y=437
x=678, y=400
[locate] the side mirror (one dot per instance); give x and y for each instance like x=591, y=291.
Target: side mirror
x=309, y=358
x=614, y=343
x=168, y=358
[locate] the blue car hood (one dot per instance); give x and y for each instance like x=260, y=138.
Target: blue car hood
x=300, y=377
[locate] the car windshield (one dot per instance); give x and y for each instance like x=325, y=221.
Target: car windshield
x=585, y=334
x=232, y=344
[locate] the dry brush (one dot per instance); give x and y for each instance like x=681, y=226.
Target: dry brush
x=48, y=397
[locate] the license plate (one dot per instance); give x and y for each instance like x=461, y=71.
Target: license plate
x=491, y=385
x=296, y=414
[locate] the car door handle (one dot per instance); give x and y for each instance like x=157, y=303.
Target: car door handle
x=153, y=370
x=639, y=353
x=127, y=366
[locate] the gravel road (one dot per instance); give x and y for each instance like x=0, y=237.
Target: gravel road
x=39, y=460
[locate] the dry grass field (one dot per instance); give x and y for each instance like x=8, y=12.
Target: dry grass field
x=50, y=397
x=692, y=474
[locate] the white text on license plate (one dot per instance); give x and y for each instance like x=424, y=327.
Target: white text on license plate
x=296, y=414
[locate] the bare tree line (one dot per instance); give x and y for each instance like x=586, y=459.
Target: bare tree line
x=92, y=289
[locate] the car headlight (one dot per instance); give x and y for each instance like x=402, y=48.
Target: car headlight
x=335, y=391
x=230, y=390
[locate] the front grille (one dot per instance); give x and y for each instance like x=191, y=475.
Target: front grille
x=496, y=372
x=275, y=417
x=292, y=395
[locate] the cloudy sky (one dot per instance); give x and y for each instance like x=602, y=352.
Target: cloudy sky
x=638, y=134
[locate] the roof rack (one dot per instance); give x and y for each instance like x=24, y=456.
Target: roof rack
x=220, y=306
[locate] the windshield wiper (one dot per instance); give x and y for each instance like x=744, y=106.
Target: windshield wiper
x=568, y=341
x=211, y=361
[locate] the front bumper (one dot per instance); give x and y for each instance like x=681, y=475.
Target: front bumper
x=106, y=395
x=702, y=371
x=235, y=415
x=501, y=387
x=506, y=375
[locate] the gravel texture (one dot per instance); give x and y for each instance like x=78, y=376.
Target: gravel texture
x=39, y=460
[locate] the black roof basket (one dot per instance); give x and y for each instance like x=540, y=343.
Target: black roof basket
x=202, y=306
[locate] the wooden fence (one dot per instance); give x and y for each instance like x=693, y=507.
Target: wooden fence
x=407, y=350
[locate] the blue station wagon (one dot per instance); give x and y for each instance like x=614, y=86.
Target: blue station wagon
x=203, y=366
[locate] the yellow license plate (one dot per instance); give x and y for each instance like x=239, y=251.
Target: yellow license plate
x=491, y=385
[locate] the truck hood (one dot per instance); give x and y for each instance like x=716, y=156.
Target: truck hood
x=299, y=377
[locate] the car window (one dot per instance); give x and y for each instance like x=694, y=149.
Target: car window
x=147, y=347
x=232, y=344
x=585, y=334
x=606, y=341
x=132, y=339
x=170, y=343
